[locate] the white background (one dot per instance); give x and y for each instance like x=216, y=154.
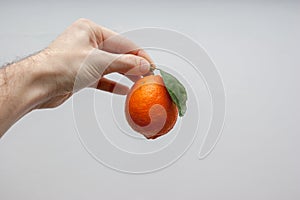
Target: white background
x=254, y=45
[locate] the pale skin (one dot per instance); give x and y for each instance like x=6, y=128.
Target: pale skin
x=84, y=53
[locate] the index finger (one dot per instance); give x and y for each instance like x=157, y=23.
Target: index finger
x=113, y=42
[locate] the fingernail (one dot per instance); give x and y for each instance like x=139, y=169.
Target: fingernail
x=145, y=66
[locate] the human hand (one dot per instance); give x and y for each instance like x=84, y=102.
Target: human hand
x=84, y=53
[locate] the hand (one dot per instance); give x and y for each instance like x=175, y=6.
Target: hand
x=83, y=54
x=80, y=57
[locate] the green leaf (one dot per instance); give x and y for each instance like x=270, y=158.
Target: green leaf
x=176, y=91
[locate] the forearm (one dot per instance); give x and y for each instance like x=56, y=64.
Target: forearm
x=21, y=89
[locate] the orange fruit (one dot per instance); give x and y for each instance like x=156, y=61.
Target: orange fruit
x=149, y=108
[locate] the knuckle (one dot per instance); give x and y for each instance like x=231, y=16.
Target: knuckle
x=83, y=20
x=82, y=24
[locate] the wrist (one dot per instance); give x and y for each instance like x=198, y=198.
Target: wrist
x=29, y=83
x=19, y=92
x=43, y=76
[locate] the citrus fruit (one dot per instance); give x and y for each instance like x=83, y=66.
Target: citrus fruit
x=149, y=108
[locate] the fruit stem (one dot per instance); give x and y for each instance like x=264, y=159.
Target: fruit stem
x=152, y=67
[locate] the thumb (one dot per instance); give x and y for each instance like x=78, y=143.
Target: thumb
x=99, y=63
x=128, y=64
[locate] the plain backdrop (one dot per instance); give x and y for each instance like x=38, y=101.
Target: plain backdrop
x=255, y=46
